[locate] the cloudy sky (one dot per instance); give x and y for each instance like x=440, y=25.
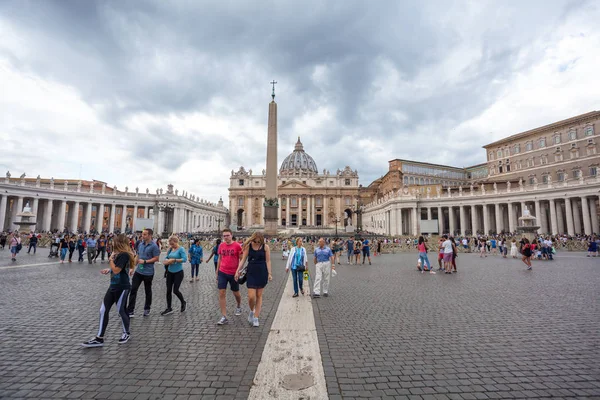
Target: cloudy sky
x=142, y=93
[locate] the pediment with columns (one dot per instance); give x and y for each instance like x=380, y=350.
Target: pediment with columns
x=294, y=184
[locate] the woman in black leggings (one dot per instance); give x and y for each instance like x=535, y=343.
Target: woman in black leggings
x=174, y=260
x=121, y=262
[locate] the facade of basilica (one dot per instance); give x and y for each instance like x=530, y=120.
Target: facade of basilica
x=307, y=198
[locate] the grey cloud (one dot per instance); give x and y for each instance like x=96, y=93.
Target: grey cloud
x=177, y=57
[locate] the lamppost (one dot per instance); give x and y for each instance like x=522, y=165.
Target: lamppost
x=358, y=209
x=336, y=220
x=219, y=220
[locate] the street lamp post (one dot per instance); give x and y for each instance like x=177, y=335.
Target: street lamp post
x=219, y=220
x=336, y=220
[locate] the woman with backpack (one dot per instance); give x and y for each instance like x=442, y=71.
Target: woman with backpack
x=297, y=262
x=72, y=244
x=425, y=264
x=215, y=254
x=63, y=247
x=526, y=252
x=121, y=262
x=80, y=248
x=195, y=255
x=15, y=245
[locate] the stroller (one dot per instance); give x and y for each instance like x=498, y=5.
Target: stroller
x=53, y=251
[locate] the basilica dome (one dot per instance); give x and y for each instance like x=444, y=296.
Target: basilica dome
x=298, y=161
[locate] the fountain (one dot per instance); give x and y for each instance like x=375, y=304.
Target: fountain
x=27, y=219
x=527, y=225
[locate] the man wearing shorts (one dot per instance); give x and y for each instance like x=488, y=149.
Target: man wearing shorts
x=350, y=249
x=448, y=252
x=366, y=251
x=229, y=253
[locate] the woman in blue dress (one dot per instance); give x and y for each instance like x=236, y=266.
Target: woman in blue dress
x=258, y=274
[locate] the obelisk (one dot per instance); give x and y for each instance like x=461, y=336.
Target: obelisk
x=271, y=203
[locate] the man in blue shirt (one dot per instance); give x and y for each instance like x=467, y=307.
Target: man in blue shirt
x=147, y=254
x=350, y=249
x=366, y=250
x=91, y=248
x=324, y=263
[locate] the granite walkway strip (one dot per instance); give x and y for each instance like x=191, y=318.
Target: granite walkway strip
x=291, y=367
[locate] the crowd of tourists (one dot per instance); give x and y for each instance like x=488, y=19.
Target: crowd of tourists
x=131, y=265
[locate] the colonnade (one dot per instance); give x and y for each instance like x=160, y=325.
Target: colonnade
x=93, y=214
x=567, y=214
x=309, y=210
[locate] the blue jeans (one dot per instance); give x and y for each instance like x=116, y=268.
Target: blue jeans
x=297, y=277
x=424, y=259
x=195, y=269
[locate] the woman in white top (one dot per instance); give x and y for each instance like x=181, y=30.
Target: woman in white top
x=513, y=249
x=297, y=262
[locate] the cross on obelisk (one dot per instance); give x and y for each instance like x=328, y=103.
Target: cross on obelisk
x=273, y=82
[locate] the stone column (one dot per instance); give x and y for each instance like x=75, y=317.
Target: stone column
x=429, y=213
x=249, y=217
x=17, y=209
x=569, y=212
x=100, y=218
x=398, y=222
x=3, y=205
x=287, y=211
x=62, y=211
x=594, y=212
x=111, y=222
x=174, y=219
x=463, y=220
x=325, y=210
x=553, y=219
x=512, y=217
x=415, y=221
x=135, y=215
x=124, y=218
x=48, y=216
x=538, y=215
x=74, y=216
x=576, y=216
x=160, y=220
x=452, y=220
x=498, y=217
x=585, y=209
x=278, y=211
x=474, y=220
x=87, y=218
x=560, y=218
x=440, y=220
x=34, y=210
x=486, y=220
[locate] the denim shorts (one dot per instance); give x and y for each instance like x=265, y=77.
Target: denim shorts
x=366, y=252
x=226, y=278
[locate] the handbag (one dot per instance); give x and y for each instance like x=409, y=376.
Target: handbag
x=300, y=267
x=242, y=277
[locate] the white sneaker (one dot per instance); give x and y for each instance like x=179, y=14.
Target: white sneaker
x=251, y=317
x=238, y=311
x=432, y=272
x=255, y=322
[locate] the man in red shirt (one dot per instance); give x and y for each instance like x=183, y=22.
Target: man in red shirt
x=230, y=253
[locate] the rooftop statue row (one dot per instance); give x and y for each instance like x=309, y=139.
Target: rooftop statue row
x=90, y=187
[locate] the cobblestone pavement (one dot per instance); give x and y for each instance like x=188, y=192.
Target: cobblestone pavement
x=47, y=311
x=493, y=330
